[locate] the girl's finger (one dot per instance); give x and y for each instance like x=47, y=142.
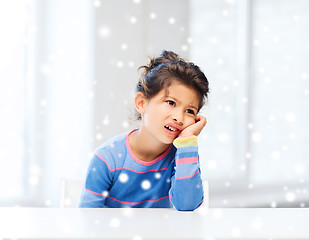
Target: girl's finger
x=201, y=119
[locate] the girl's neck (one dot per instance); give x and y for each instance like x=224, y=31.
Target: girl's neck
x=144, y=147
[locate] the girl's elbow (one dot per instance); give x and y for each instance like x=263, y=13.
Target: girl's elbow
x=188, y=206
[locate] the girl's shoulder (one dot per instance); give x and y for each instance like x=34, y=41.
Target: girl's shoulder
x=113, y=145
x=113, y=151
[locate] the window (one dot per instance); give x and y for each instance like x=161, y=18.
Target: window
x=255, y=54
x=13, y=45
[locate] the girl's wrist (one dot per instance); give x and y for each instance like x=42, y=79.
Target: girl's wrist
x=185, y=141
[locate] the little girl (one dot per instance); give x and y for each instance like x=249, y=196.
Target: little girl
x=157, y=165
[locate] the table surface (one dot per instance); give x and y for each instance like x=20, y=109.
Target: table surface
x=143, y=223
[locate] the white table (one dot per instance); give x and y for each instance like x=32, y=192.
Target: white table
x=142, y=224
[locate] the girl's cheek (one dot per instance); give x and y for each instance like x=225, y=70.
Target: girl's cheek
x=190, y=122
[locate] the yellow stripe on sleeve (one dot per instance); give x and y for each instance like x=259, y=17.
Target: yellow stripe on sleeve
x=185, y=142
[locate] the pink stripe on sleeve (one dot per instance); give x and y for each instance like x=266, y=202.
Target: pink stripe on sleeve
x=185, y=177
x=103, y=161
x=186, y=160
x=93, y=192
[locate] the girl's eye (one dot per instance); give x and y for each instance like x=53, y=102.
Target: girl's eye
x=190, y=111
x=172, y=103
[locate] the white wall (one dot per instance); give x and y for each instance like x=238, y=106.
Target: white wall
x=63, y=103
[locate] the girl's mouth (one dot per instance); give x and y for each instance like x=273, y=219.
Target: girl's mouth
x=170, y=130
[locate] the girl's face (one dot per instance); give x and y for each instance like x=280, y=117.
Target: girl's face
x=169, y=112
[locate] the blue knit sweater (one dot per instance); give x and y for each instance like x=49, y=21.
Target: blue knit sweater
x=116, y=178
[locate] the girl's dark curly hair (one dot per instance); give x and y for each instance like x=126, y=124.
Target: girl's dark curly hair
x=168, y=67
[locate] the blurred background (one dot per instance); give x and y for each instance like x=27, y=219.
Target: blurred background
x=68, y=71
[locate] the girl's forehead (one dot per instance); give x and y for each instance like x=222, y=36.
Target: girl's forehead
x=180, y=92
x=181, y=89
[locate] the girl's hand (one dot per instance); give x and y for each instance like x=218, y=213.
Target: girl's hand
x=195, y=128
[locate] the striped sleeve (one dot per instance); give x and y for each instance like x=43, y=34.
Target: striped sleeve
x=186, y=193
x=97, y=184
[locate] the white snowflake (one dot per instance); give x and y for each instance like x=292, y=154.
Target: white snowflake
x=225, y=13
x=223, y=137
x=48, y=202
x=266, y=29
x=273, y=204
x=146, y=184
x=124, y=46
x=275, y=155
x=128, y=212
x=225, y=88
x=227, y=109
x=290, y=196
x=235, y=232
x=33, y=180
x=171, y=20
x=235, y=83
x=261, y=70
x=137, y=237
x=304, y=76
x=123, y=177
x=125, y=124
x=67, y=202
x=158, y=175
x=35, y=170
x=90, y=95
x=220, y=61
x=98, y=136
x=250, y=125
x=96, y=3
x=184, y=48
x=276, y=39
x=211, y=164
x=217, y=213
x=243, y=167
x=105, y=120
x=257, y=224
x=296, y=18
x=115, y=222
x=256, y=137
x=131, y=64
x=256, y=42
x=45, y=69
x=153, y=15
x=290, y=117
x=119, y=64
x=104, y=32
x=271, y=118
x=43, y=103
x=231, y=2
x=105, y=193
x=267, y=80
x=133, y=20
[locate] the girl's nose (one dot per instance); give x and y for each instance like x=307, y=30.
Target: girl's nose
x=178, y=118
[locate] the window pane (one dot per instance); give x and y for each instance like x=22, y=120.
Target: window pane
x=12, y=75
x=213, y=48
x=280, y=91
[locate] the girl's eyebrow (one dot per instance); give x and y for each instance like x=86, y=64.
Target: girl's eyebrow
x=190, y=105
